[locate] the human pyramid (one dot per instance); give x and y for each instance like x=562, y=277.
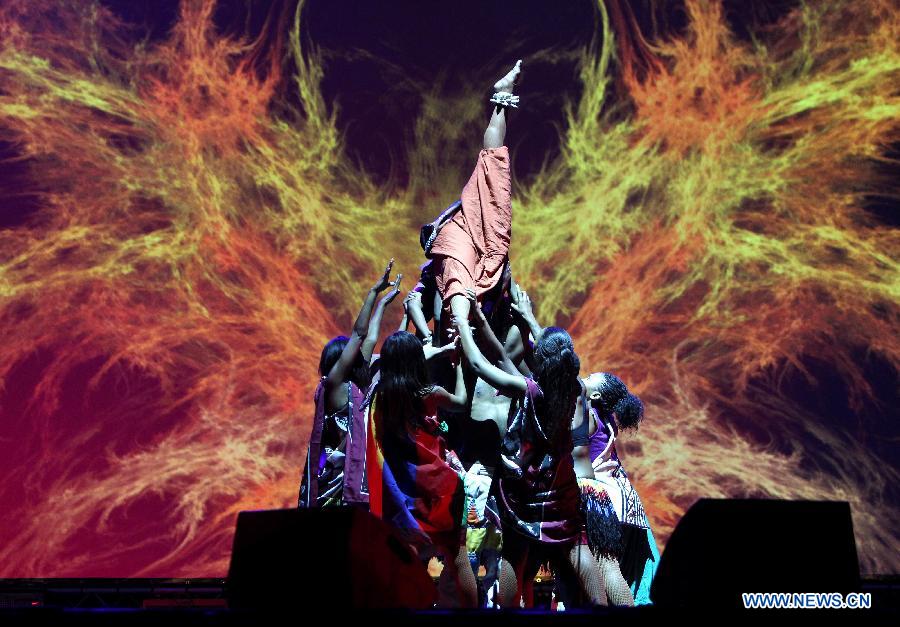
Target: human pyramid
x=532, y=477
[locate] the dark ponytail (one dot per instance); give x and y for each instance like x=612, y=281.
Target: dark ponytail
x=557, y=375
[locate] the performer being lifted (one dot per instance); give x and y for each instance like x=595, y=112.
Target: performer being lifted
x=471, y=248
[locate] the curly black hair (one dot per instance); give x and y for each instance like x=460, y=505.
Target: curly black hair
x=615, y=398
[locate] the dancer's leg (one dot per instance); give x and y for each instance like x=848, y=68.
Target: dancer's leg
x=583, y=578
x=641, y=587
x=510, y=576
x=495, y=134
x=460, y=580
x=533, y=564
x=491, y=560
x=617, y=590
x=512, y=568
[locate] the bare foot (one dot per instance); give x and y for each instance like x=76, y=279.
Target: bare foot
x=507, y=82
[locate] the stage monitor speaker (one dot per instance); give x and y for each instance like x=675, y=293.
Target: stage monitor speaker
x=722, y=548
x=323, y=558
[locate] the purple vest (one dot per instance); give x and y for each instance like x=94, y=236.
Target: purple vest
x=338, y=478
x=600, y=439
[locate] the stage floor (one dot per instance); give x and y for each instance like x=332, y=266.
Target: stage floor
x=172, y=602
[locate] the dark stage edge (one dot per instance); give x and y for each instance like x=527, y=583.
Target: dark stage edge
x=169, y=602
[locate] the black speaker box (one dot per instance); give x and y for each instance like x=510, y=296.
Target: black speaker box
x=323, y=558
x=722, y=548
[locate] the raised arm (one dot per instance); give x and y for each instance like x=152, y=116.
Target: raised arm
x=368, y=344
x=413, y=304
x=340, y=372
x=459, y=398
x=507, y=383
x=361, y=325
x=527, y=324
x=493, y=349
x=519, y=351
x=404, y=321
x=523, y=308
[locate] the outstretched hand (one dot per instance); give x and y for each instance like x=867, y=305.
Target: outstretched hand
x=390, y=296
x=458, y=323
x=522, y=305
x=448, y=350
x=479, y=318
x=385, y=281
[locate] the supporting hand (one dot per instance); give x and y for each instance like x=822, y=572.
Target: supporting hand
x=478, y=318
x=447, y=350
x=521, y=304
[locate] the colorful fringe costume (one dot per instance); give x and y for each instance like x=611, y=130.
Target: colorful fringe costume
x=640, y=556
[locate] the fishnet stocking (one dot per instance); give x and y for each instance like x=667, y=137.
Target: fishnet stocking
x=617, y=590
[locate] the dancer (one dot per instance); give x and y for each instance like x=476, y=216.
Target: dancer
x=334, y=473
x=412, y=485
x=603, y=533
x=482, y=428
x=538, y=494
x=490, y=411
x=471, y=248
x=613, y=406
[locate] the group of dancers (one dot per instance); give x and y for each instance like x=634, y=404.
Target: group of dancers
x=473, y=436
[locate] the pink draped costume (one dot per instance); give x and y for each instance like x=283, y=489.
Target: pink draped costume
x=472, y=248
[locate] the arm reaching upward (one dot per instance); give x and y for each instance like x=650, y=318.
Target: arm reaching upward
x=519, y=350
x=368, y=344
x=361, y=325
x=523, y=308
x=413, y=304
x=527, y=323
x=507, y=383
x=340, y=372
x=493, y=348
x=458, y=399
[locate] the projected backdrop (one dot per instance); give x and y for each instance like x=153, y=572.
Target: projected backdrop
x=194, y=197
